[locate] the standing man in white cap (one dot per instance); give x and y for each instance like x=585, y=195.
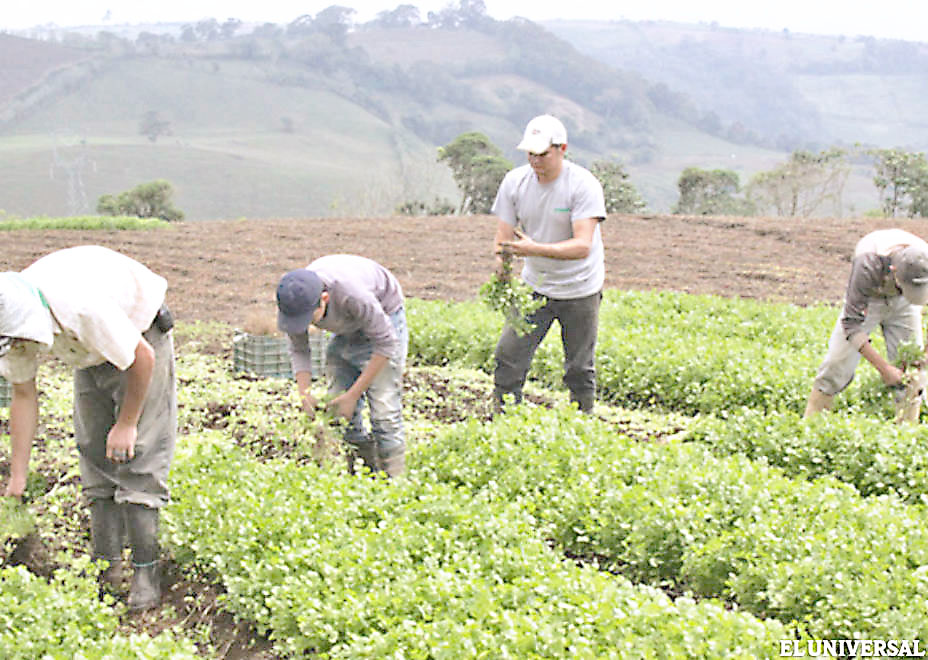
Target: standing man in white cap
x=549, y=212
x=104, y=314
x=887, y=288
x=361, y=302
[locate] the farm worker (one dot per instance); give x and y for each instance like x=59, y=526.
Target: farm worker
x=887, y=288
x=361, y=303
x=104, y=314
x=549, y=212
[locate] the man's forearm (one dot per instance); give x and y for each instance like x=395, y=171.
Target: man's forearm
x=370, y=371
x=24, y=415
x=572, y=248
x=138, y=382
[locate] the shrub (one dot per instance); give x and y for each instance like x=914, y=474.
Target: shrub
x=147, y=200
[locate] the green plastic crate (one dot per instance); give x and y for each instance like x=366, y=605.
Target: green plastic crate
x=268, y=357
x=6, y=393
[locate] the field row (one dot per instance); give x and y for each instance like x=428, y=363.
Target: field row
x=690, y=354
x=541, y=533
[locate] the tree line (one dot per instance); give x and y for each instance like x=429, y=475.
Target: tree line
x=800, y=187
x=803, y=186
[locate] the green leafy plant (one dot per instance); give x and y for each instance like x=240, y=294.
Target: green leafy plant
x=118, y=222
x=910, y=356
x=146, y=200
x=511, y=297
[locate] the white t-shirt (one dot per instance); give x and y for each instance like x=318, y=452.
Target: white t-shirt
x=101, y=302
x=546, y=213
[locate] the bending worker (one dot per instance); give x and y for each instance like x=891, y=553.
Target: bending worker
x=887, y=288
x=102, y=313
x=361, y=302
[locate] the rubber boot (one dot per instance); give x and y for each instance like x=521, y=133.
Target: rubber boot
x=145, y=590
x=502, y=398
x=107, y=534
x=394, y=462
x=818, y=401
x=584, y=401
x=365, y=451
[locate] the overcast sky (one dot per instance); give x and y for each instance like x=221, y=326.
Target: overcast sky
x=896, y=19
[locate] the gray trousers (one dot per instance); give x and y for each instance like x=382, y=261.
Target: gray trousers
x=98, y=394
x=579, y=321
x=899, y=320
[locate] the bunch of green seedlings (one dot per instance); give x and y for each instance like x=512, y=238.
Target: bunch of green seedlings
x=910, y=355
x=511, y=297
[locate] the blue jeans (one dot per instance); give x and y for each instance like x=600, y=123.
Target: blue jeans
x=346, y=356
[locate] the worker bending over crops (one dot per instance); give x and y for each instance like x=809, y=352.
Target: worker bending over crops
x=361, y=303
x=549, y=212
x=104, y=314
x=887, y=288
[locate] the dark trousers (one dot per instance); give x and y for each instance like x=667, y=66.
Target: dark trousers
x=579, y=321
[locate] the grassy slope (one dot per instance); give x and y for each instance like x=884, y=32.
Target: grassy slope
x=228, y=155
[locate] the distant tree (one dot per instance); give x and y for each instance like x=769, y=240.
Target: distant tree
x=478, y=167
x=267, y=31
x=621, y=196
x=208, y=29
x=802, y=185
x=710, y=192
x=463, y=14
x=402, y=17
x=188, y=34
x=230, y=27
x=147, y=200
x=334, y=21
x=152, y=126
x=901, y=178
x=300, y=25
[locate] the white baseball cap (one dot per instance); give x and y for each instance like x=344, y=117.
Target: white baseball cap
x=541, y=133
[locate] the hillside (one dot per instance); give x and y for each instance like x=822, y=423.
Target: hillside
x=319, y=120
x=782, y=88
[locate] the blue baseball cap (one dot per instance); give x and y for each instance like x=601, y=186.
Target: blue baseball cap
x=298, y=295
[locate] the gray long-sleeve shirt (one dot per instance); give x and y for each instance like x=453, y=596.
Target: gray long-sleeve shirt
x=871, y=277
x=362, y=296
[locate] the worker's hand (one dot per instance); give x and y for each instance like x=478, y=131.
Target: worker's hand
x=892, y=376
x=344, y=404
x=522, y=246
x=120, y=442
x=310, y=404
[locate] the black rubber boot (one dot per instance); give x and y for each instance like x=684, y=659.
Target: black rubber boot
x=502, y=398
x=584, y=401
x=107, y=535
x=367, y=452
x=145, y=590
x=394, y=463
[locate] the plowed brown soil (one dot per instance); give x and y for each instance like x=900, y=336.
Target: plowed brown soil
x=221, y=270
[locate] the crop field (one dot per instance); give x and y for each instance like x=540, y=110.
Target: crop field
x=695, y=514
